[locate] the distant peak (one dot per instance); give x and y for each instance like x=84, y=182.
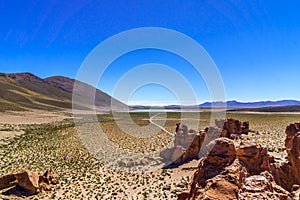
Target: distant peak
x=22, y=75
x=58, y=78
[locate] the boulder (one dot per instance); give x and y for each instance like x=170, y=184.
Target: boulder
x=291, y=131
x=233, y=128
x=177, y=153
x=218, y=175
x=230, y=173
x=294, y=158
x=28, y=180
x=221, y=155
x=288, y=174
x=253, y=156
x=7, y=181
x=187, y=144
x=262, y=186
x=167, y=187
x=257, y=183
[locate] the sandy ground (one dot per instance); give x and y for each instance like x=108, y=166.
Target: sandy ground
x=7, y=134
x=32, y=117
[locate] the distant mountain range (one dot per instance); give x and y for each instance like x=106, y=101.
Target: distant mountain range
x=232, y=105
x=258, y=104
x=23, y=91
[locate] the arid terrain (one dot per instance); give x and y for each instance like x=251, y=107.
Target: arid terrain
x=51, y=142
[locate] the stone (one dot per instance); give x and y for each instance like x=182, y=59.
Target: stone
x=234, y=128
x=257, y=183
x=296, y=193
x=253, y=156
x=28, y=180
x=7, y=181
x=167, y=187
x=291, y=132
x=217, y=178
x=166, y=154
x=221, y=155
x=288, y=174
x=232, y=174
x=187, y=144
x=182, y=184
x=4, y=198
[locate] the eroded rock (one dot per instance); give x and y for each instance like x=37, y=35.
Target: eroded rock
x=29, y=181
x=230, y=173
x=253, y=156
x=214, y=179
x=187, y=144
x=232, y=128
x=288, y=174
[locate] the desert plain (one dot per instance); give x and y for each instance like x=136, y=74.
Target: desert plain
x=40, y=140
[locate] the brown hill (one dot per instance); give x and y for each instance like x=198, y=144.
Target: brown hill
x=23, y=91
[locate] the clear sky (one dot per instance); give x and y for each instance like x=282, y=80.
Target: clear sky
x=255, y=44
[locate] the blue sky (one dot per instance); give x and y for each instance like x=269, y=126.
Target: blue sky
x=255, y=44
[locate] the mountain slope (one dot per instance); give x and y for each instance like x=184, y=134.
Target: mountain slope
x=84, y=91
x=23, y=91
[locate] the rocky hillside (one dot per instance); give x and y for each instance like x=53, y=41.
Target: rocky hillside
x=23, y=91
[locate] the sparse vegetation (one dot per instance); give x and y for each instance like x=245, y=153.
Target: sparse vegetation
x=57, y=146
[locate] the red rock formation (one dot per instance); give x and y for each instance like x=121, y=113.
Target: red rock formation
x=262, y=187
x=253, y=156
x=232, y=128
x=221, y=155
x=7, y=181
x=293, y=151
x=207, y=182
x=187, y=145
x=227, y=173
x=288, y=174
x=29, y=181
x=291, y=131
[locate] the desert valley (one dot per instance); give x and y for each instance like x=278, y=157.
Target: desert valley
x=254, y=154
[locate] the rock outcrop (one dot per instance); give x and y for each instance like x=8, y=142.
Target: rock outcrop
x=232, y=128
x=254, y=157
x=230, y=173
x=187, y=144
x=288, y=174
x=29, y=181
